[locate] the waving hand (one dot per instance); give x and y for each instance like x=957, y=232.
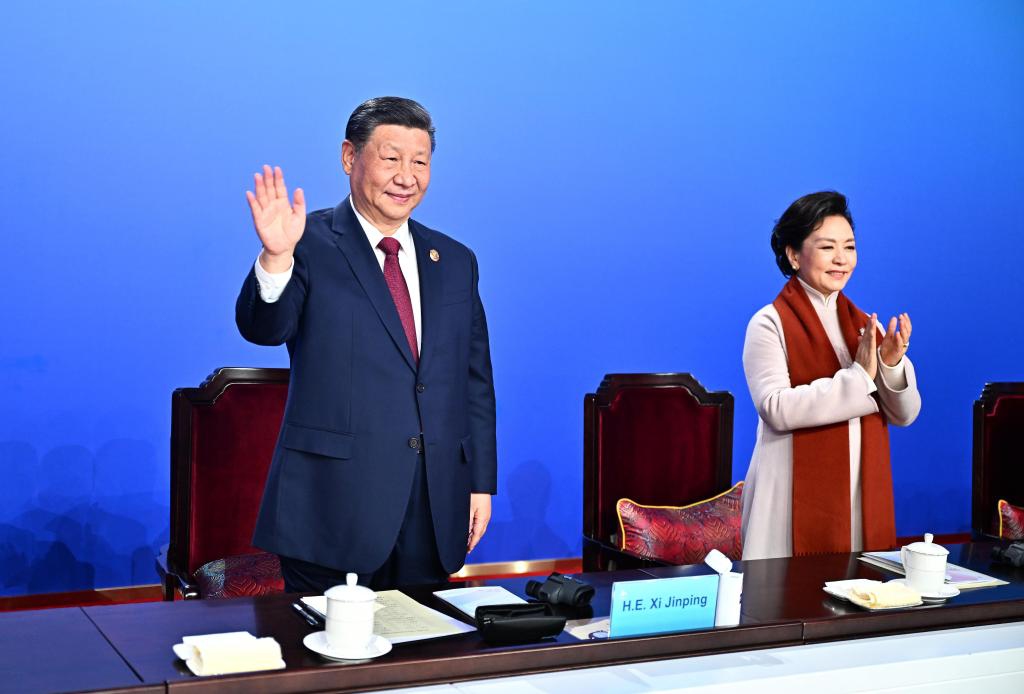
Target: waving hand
x=278, y=223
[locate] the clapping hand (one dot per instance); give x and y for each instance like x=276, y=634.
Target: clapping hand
x=867, y=354
x=278, y=223
x=896, y=342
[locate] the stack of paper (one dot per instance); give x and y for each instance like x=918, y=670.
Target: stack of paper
x=956, y=576
x=400, y=618
x=468, y=599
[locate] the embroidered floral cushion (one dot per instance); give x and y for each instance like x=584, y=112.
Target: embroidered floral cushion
x=1011, y=521
x=243, y=575
x=683, y=534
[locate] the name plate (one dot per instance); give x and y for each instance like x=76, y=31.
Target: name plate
x=663, y=605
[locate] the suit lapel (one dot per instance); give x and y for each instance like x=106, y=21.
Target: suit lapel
x=352, y=242
x=430, y=289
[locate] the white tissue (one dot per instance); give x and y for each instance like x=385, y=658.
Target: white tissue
x=730, y=589
x=718, y=561
x=730, y=596
x=220, y=654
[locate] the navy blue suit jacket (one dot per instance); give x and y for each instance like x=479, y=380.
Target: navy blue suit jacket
x=343, y=468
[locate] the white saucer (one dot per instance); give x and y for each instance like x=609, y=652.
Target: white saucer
x=317, y=642
x=941, y=595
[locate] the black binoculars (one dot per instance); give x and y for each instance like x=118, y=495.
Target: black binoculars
x=561, y=590
x=1012, y=555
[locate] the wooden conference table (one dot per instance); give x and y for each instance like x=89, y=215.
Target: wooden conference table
x=128, y=647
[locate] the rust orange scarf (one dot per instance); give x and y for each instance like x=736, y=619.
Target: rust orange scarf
x=821, y=455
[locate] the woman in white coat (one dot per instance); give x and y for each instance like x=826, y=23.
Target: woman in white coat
x=825, y=387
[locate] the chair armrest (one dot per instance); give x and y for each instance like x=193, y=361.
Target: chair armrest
x=189, y=590
x=601, y=556
x=174, y=580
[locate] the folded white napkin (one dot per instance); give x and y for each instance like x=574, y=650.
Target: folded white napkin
x=877, y=595
x=222, y=654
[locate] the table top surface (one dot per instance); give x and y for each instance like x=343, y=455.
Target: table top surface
x=58, y=650
x=143, y=633
x=783, y=604
x=786, y=590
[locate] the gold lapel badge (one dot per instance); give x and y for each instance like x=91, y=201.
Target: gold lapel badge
x=434, y=255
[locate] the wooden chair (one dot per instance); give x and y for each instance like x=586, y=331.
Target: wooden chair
x=659, y=439
x=223, y=435
x=998, y=457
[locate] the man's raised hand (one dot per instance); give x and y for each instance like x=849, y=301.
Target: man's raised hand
x=278, y=223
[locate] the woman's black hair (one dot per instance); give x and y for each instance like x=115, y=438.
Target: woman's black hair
x=801, y=219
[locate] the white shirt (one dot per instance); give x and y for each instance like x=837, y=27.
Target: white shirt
x=272, y=284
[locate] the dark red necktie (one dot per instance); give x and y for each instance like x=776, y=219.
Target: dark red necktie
x=399, y=291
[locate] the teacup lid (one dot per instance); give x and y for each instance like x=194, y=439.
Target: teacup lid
x=350, y=591
x=927, y=547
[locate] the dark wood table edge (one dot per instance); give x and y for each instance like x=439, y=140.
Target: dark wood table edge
x=524, y=660
x=912, y=620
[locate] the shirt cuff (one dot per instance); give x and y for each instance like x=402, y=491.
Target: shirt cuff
x=272, y=284
x=860, y=369
x=894, y=377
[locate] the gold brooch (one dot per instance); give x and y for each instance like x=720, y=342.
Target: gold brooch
x=434, y=255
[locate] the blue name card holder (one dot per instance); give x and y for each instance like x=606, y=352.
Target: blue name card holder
x=663, y=605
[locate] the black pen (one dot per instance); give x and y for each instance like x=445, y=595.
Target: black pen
x=319, y=618
x=305, y=615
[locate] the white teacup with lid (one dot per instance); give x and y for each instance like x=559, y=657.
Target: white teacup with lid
x=925, y=565
x=350, y=608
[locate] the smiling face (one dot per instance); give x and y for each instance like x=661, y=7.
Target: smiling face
x=827, y=257
x=389, y=175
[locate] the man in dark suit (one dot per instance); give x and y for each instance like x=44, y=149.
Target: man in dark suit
x=387, y=450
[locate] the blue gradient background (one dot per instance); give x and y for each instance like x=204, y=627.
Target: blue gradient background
x=616, y=167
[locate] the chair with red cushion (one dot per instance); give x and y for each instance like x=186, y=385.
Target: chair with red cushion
x=222, y=439
x=654, y=439
x=998, y=456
